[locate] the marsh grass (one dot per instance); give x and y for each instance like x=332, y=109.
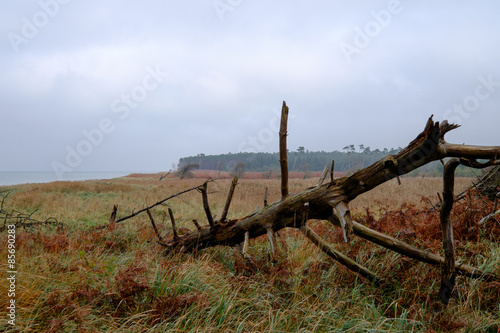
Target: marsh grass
x=82, y=279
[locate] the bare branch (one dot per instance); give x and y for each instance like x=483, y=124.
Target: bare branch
x=337, y=256
x=172, y=219
x=445, y=127
x=265, y=197
x=322, y=177
x=158, y=203
x=283, y=151
x=448, y=272
x=420, y=255
x=332, y=170
x=272, y=243
x=195, y=222
x=342, y=211
x=112, y=218
x=471, y=152
x=228, y=200
x=245, y=245
x=206, y=207
x=154, y=224
x=165, y=175
x=477, y=165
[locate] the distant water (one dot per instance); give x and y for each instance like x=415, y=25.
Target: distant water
x=17, y=177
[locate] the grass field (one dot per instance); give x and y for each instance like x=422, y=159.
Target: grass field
x=78, y=278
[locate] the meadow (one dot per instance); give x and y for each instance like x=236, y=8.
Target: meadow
x=79, y=277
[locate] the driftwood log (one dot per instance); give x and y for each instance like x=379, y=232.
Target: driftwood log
x=330, y=201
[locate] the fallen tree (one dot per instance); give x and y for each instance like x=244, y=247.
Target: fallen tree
x=14, y=219
x=330, y=201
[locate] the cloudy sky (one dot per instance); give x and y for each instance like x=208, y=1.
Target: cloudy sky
x=135, y=85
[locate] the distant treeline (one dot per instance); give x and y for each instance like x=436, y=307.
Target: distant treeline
x=305, y=161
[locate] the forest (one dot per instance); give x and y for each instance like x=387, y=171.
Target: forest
x=301, y=160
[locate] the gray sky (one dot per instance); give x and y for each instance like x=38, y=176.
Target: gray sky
x=133, y=86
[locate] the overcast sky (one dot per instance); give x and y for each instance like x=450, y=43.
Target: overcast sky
x=135, y=85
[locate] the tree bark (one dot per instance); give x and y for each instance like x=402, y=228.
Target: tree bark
x=448, y=271
x=283, y=151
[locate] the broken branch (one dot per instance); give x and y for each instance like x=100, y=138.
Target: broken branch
x=337, y=256
x=157, y=203
x=206, y=207
x=172, y=219
x=400, y=247
x=228, y=200
x=154, y=224
x=283, y=151
x=265, y=197
x=272, y=243
x=332, y=170
x=341, y=210
x=448, y=271
x=323, y=176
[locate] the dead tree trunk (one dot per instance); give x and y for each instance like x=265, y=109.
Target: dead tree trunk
x=319, y=202
x=330, y=201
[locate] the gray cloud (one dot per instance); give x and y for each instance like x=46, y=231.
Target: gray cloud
x=227, y=78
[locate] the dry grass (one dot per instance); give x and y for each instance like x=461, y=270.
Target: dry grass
x=80, y=279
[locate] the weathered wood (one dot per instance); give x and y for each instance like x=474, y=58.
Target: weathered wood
x=332, y=171
x=283, y=151
x=165, y=175
x=228, y=200
x=440, y=197
x=489, y=217
x=172, y=220
x=196, y=224
x=427, y=147
x=322, y=178
x=427, y=257
x=494, y=213
x=342, y=211
x=154, y=224
x=245, y=245
x=157, y=203
x=317, y=202
x=448, y=270
x=206, y=206
x=112, y=218
x=337, y=256
x=272, y=243
x=265, y=197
